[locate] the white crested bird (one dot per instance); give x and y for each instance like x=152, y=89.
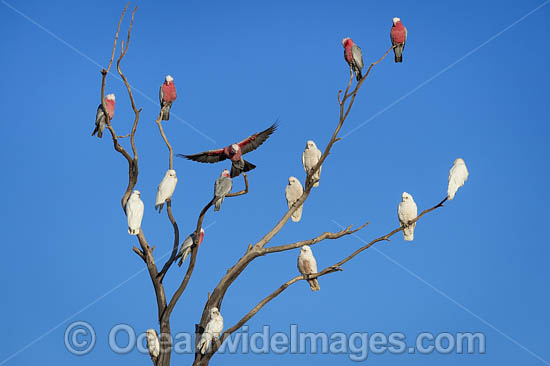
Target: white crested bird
x=407, y=211
x=134, y=213
x=310, y=157
x=308, y=265
x=293, y=191
x=212, y=331
x=166, y=188
x=457, y=177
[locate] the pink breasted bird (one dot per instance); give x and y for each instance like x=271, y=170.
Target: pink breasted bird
x=234, y=152
x=353, y=56
x=101, y=118
x=398, y=35
x=167, y=95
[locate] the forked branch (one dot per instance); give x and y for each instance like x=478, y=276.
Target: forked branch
x=331, y=269
x=323, y=236
x=194, y=251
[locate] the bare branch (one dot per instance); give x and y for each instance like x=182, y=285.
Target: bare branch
x=244, y=191
x=174, y=253
x=354, y=92
x=138, y=252
x=323, y=236
x=171, y=152
x=134, y=167
x=123, y=50
x=104, y=72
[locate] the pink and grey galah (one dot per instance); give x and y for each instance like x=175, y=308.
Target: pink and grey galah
x=353, y=56
x=185, y=249
x=234, y=152
x=398, y=36
x=101, y=118
x=222, y=186
x=167, y=95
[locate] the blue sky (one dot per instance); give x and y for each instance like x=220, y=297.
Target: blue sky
x=238, y=66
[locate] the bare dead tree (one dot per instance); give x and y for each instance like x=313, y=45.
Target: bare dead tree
x=165, y=306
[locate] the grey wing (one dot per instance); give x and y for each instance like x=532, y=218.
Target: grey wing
x=253, y=142
x=161, y=95
x=357, y=55
x=222, y=186
x=226, y=185
x=99, y=115
x=210, y=156
x=187, y=242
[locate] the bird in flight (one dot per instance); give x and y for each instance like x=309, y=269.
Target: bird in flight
x=234, y=152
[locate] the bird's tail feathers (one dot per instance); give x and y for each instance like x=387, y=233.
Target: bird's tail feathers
x=234, y=171
x=451, y=191
x=398, y=51
x=314, y=285
x=98, y=131
x=218, y=204
x=204, y=342
x=133, y=231
x=248, y=166
x=165, y=111
x=184, y=256
x=408, y=233
x=297, y=215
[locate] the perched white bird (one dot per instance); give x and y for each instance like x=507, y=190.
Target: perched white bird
x=406, y=212
x=308, y=265
x=153, y=344
x=213, y=330
x=166, y=188
x=457, y=176
x=134, y=213
x=310, y=157
x=293, y=191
